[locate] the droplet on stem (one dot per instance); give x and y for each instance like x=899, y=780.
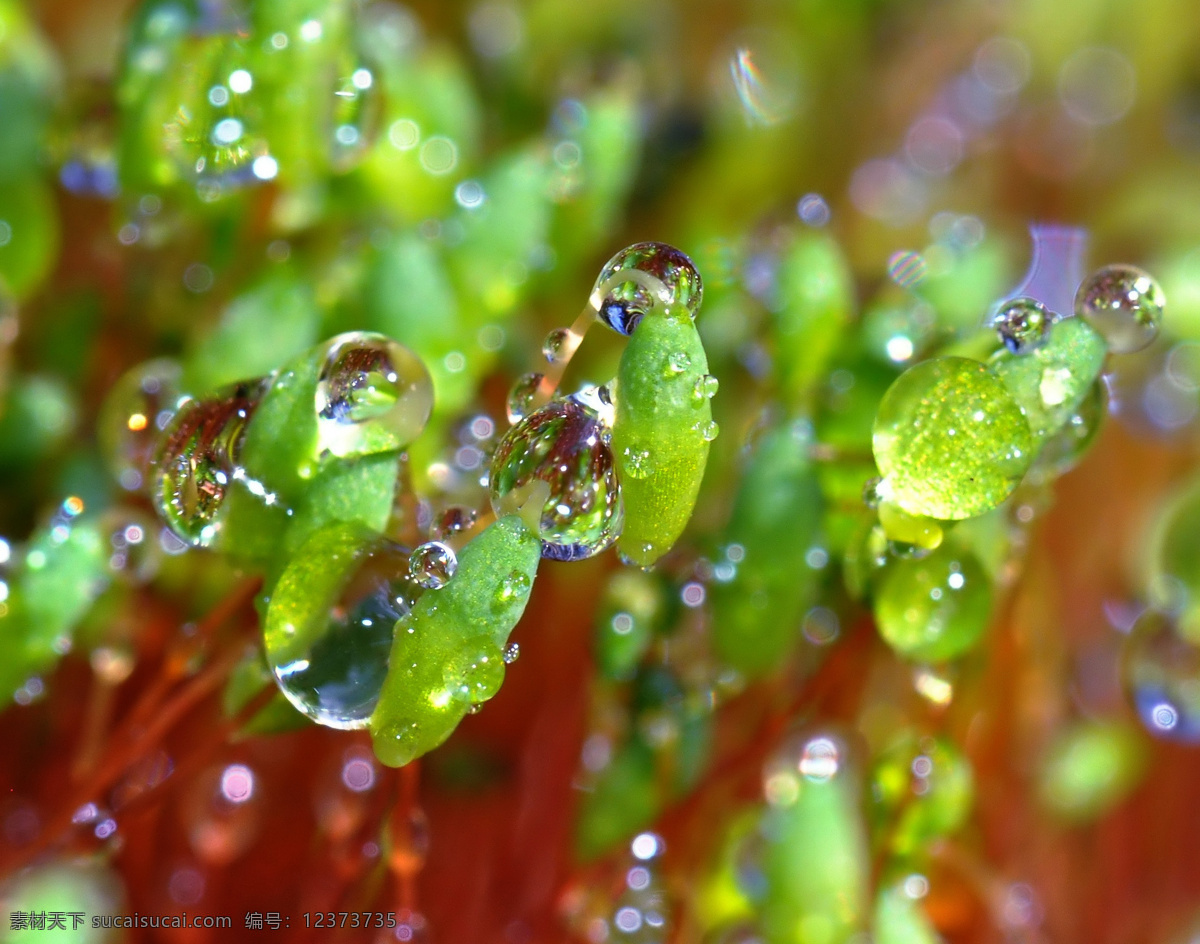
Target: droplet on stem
x=623, y=294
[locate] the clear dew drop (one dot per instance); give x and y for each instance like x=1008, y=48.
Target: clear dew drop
x=678, y=362
x=622, y=303
x=706, y=388
x=1023, y=324
x=133, y=415
x=637, y=462
x=1161, y=672
x=432, y=565
x=557, y=345
x=512, y=588
x=333, y=671
x=708, y=431
x=373, y=395
x=522, y=396
x=197, y=457
x=512, y=653
x=563, y=445
x=1124, y=304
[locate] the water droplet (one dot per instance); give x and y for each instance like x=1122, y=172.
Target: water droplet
x=1161, y=670
x=1023, y=324
x=1124, y=304
x=708, y=431
x=950, y=440
x=355, y=117
x=453, y=520
x=134, y=413
x=562, y=444
x=512, y=653
x=373, y=395
x=622, y=298
x=557, y=346
x=706, y=387
x=432, y=565
x=197, y=457
x=522, y=396
x=516, y=584
x=329, y=652
x=678, y=362
x=636, y=462
x=870, y=492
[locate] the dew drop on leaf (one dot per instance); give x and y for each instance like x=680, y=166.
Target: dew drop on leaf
x=623, y=297
x=563, y=445
x=1124, y=304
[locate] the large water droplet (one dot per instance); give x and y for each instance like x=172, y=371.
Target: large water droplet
x=950, y=440
x=330, y=660
x=133, y=416
x=432, y=565
x=1161, y=669
x=563, y=445
x=623, y=298
x=373, y=395
x=1124, y=304
x=1022, y=324
x=196, y=459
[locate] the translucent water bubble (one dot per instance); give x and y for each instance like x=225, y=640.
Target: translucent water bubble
x=133, y=415
x=373, y=395
x=523, y=396
x=512, y=653
x=1161, y=671
x=1124, y=304
x=623, y=296
x=134, y=554
x=564, y=445
x=706, y=387
x=328, y=648
x=196, y=459
x=950, y=440
x=557, y=345
x=1023, y=324
x=432, y=565
x=936, y=608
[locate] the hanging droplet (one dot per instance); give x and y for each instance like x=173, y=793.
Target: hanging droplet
x=563, y=445
x=522, y=396
x=1124, y=304
x=557, y=346
x=933, y=609
x=432, y=565
x=950, y=440
x=1161, y=669
x=373, y=395
x=330, y=623
x=134, y=552
x=133, y=416
x=454, y=520
x=1022, y=324
x=512, y=653
x=623, y=296
x=196, y=459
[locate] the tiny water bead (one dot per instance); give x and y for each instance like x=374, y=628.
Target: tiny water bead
x=452, y=521
x=373, y=395
x=564, y=445
x=1124, y=304
x=522, y=398
x=950, y=440
x=933, y=609
x=432, y=565
x=559, y=345
x=133, y=416
x=1161, y=671
x=622, y=296
x=197, y=457
x=330, y=621
x=1022, y=324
